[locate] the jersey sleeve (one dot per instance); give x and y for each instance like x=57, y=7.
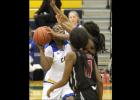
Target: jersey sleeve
x=67, y=32
x=68, y=48
x=49, y=52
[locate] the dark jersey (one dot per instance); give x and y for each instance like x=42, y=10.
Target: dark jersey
x=83, y=77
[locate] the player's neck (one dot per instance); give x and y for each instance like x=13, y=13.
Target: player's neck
x=59, y=44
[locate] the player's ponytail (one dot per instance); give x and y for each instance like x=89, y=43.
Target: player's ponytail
x=99, y=42
x=98, y=38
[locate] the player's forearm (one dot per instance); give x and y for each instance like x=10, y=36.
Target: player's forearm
x=99, y=83
x=98, y=75
x=65, y=22
x=68, y=26
x=43, y=61
x=59, y=84
x=56, y=10
x=100, y=90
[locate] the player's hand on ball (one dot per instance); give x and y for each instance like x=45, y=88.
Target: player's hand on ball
x=50, y=31
x=40, y=47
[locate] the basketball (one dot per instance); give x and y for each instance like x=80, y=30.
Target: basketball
x=42, y=36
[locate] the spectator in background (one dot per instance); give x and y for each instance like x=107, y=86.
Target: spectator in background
x=74, y=18
x=45, y=15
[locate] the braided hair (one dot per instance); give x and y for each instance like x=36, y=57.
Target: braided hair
x=98, y=38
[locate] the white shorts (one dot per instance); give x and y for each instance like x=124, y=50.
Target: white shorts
x=62, y=92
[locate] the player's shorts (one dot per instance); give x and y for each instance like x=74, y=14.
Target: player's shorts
x=87, y=94
x=62, y=92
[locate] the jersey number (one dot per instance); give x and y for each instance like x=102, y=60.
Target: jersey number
x=62, y=59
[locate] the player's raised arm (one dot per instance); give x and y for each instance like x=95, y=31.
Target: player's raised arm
x=66, y=24
x=56, y=10
x=99, y=83
x=61, y=18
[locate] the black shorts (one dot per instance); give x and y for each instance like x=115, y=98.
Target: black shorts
x=87, y=94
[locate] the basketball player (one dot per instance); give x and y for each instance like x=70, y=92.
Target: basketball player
x=53, y=62
x=80, y=69
x=98, y=39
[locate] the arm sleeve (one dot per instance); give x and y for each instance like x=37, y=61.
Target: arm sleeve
x=49, y=52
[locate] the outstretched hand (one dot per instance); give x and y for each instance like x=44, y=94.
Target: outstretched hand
x=40, y=47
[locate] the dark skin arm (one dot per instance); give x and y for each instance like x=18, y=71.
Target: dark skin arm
x=69, y=62
x=55, y=8
x=61, y=18
x=99, y=83
x=45, y=62
x=65, y=23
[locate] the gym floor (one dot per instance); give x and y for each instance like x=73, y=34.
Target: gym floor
x=35, y=90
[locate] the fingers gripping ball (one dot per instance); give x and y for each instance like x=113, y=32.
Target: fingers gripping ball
x=41, y=36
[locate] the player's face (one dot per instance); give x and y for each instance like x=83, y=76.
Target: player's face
x=90, y=47
x=73, y=18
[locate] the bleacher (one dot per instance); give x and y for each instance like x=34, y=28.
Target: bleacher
x=99, y=12
x=95, y=10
